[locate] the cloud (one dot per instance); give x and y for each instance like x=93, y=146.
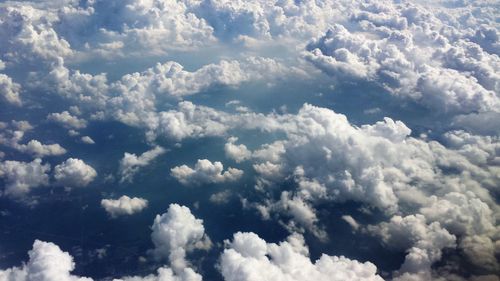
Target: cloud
x=131, y=163
x=423, y=242
x=47, y=262
x=381, y=166
x=177, y=232
x=29, y=35
x=248, y=257
x=171, y=79
x=264, y=20
x=14, y=134
x=222, y=197
x=123, y=205
x=9, y=90
x=237, y=152
x=166, y=274
x=351, y=221
x=404, y=48
x=205, y=172
x=87, y=140
x=74, y=173
x=21, y=177
x=67, y=120
x=140, y=25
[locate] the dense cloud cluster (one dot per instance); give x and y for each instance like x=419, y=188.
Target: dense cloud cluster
x=429, y=183
x=415, y=53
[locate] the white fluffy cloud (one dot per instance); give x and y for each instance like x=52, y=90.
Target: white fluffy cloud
x=413, y=52
x=441, y=55
x=146, y=25
x=74, y=173
x=205, y=172
x=47, y=262
x=123, y=205
x=381, y=166
x=9, y=90
x=177, y=232
x=131, y=163
x=237, y=152
x=67, y=120
x=21, y=177
x=248, y=257
x=29, y=35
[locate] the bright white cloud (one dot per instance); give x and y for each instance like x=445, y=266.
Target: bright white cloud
x=205, y=172
x=74, y=173
x=177, y=232
x=47, y=262
x=237, y=152
x=415, y=53
x=123, y=205
x=248, y=257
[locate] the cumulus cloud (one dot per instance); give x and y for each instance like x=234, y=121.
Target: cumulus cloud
x=123, y=205
x=30, y=36
x=249, y=257
x=205, y=172
x=413, y=53
x=379, y=165
x=21, y=177
x=177, y=232
x=74, y=173
x=424, y=242
x=440, y=56
x=131, y=163
x=14, y=133
x=237, y=152
x=67, y=120
x=9, y=90
x=171, y=79
x=142, y=25
x=47, y=262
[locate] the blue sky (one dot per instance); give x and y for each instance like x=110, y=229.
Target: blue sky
x=249, y=140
